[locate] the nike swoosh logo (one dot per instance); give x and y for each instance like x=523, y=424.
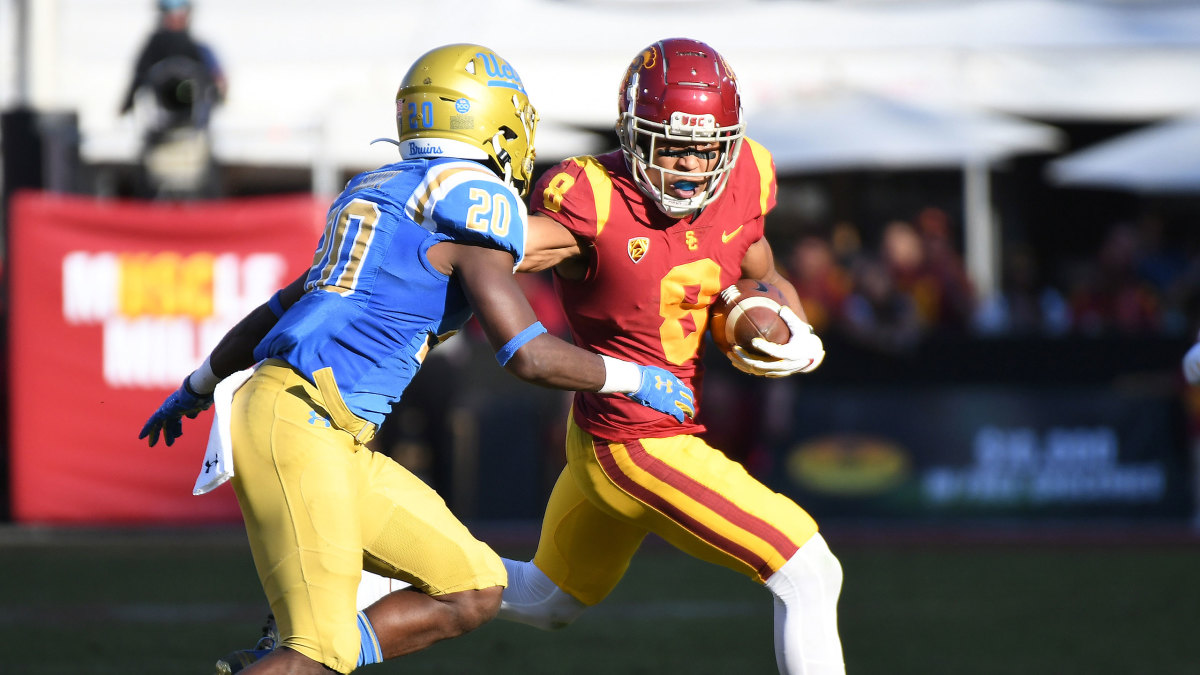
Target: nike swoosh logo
x=726, y=236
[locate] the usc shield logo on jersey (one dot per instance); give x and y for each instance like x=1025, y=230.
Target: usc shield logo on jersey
x=637, y=248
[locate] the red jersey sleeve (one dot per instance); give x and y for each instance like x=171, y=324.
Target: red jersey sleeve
x=581, y=193
x=756, y=154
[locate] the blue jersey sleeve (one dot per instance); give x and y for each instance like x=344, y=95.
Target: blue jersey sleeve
x=479, y=209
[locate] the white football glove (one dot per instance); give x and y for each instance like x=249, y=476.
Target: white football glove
x=1191, y=364
x=802, y=352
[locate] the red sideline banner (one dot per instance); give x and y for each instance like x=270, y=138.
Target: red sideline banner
x=111, y=305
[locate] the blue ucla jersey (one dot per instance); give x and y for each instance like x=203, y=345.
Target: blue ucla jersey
x=373, y=303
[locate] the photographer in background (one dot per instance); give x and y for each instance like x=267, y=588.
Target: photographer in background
x=181, y=81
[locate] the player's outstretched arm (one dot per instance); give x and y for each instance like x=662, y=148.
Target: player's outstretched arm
x=234, y=352
x=524, y=348
x=548, y=245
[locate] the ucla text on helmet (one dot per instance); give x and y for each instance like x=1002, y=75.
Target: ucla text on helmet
x=501, y=73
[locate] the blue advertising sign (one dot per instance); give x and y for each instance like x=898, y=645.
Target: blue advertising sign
x=991, y=451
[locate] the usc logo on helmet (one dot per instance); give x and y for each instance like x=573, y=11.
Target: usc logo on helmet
x=728, y=71
x=648, y=58
x=643, y=61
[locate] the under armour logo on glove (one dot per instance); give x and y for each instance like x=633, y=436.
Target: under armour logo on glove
x=665, y=392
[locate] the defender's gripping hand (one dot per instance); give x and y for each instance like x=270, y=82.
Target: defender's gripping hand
x=1191, y=364
x=802, y=353
x=168, y=417
x=664, y=392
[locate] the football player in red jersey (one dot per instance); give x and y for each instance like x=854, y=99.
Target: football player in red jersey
x=641, y=241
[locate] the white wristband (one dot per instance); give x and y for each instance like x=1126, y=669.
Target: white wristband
x=620, y=377
x=203, y=380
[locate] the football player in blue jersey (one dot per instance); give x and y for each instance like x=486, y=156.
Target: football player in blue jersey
x=409, y=251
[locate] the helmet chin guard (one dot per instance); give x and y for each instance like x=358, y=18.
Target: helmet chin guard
x=679, y=91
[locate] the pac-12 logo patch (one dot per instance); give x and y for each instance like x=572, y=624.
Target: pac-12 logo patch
x=638, y=247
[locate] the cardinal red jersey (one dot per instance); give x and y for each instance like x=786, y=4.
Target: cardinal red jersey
x=651, y=277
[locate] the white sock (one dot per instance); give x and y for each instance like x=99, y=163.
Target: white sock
x=806, y=592
x=533, y=599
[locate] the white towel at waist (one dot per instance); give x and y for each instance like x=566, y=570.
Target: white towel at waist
x=218, y=457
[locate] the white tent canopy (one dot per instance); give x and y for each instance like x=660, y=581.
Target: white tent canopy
x=297, y=65
x=1163, y=159
x=863, y=131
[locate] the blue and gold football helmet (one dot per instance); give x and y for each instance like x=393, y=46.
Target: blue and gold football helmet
x=463, y=100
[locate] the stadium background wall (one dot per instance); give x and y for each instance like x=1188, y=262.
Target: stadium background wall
x=112, y=303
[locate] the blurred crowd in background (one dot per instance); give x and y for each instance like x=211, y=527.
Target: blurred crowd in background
x=888, y=291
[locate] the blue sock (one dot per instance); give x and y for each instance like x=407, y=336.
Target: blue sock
x=369, y=651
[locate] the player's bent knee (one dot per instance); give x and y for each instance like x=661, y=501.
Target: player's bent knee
x=824, y=562
x=812, y=568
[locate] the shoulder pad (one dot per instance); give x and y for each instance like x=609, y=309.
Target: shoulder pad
x=578, y=193
x=464, y=201
x=765, y=165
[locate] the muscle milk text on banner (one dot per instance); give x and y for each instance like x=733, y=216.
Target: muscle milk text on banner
x=162, y=312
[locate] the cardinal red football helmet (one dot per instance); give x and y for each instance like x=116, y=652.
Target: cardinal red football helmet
x=682, y=91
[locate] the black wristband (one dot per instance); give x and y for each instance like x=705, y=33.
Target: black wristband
x=187, y=387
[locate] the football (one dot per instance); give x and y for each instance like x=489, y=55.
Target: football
x=744, y=311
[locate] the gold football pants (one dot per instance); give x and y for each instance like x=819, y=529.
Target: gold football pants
x=319, y=508
x=611, y=494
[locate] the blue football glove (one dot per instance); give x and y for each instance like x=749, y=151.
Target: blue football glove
x=169, y=416
x=664, y=392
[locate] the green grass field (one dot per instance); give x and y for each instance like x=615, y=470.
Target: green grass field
x=171, y=602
